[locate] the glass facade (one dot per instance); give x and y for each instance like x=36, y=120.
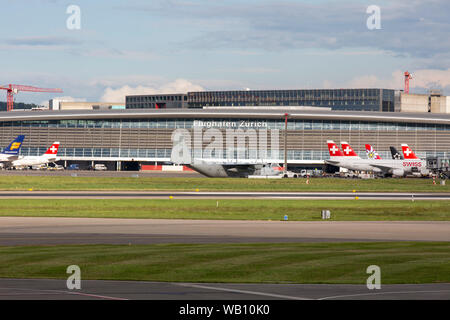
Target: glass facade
x=336, y=99
x=150, y=139
x=156, y=101
x=293, y=124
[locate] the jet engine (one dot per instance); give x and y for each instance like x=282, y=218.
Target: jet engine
x=398, y=172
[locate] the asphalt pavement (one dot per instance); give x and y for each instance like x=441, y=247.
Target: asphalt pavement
x=221, y=195
x=54, y=230
x=48, y=289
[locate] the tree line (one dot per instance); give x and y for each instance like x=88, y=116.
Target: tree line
x=18, y=105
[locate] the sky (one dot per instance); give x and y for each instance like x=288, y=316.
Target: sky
x=175, y=46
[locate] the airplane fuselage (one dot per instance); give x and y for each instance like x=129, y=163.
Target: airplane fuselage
x=395, y=167
x=33, y=161
x=220, y=169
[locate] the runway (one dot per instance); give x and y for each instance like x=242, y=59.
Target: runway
x=53, y=231
x=45, y=289
x=220, y=195
x=17, y=231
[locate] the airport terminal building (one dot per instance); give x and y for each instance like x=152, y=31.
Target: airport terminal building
x=125, y=139
x=337, y=99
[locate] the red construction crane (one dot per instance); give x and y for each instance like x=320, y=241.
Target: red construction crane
x=12, y=89
x=407, y=77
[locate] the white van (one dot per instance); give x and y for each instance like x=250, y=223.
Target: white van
x=100, y=167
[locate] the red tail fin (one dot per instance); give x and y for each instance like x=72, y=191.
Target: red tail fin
x=408, y=153
x=334, y=149
x=53, y=150
x=348, y=151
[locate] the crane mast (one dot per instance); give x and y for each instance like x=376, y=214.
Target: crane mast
x=407, y=78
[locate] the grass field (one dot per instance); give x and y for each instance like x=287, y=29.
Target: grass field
x=259, y=209
x=217, y=184
x=400, y=262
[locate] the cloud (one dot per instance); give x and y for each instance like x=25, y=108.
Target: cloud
x=428, y=78
x=114, y=53
x=42, y=41
x=417, y=29
x=251, y=70
x=423, y=80
x=177, y=86
x=132, y=80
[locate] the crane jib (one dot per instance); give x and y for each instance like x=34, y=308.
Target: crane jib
x=12, y=89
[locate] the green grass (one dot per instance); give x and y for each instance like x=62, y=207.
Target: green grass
x=217, y=184
x=232, y=209
x=400, y=262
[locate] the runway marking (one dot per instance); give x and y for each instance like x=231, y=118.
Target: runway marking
x=95, y=295
x=381, y=293
x=48, y=291
x=273, y=295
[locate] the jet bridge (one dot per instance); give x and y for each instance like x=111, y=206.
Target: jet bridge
x=439, y=166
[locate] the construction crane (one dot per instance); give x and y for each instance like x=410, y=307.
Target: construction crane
x=12, y=89
x=407, y=78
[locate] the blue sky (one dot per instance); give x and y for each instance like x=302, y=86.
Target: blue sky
x=133, y=47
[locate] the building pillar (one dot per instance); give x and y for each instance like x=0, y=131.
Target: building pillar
x=286, y=115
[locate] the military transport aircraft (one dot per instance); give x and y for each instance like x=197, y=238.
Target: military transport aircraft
x=220, y=168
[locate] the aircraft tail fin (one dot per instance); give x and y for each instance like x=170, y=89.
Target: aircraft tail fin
x=371, y=153
x=395, y=154
x=333, y=149
x=407, y=152
x=53, y=150
x=14, y=146
x=348, y=150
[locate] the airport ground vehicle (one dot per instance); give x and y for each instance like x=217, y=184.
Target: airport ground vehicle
x=290, y=174
x=39, y=167
x=100, y=167
x=73, y=166
x=53, y=167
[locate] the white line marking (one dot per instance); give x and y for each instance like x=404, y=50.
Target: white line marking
x=49, y=291
x=381, y=293
x=243, y=291
x=94, y=295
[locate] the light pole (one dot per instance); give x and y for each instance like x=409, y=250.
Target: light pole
x=286, y=115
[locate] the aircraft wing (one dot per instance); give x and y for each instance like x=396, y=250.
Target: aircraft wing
x=239, y=166
x=382, y=167
x=8, y=159
x=238, y=163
